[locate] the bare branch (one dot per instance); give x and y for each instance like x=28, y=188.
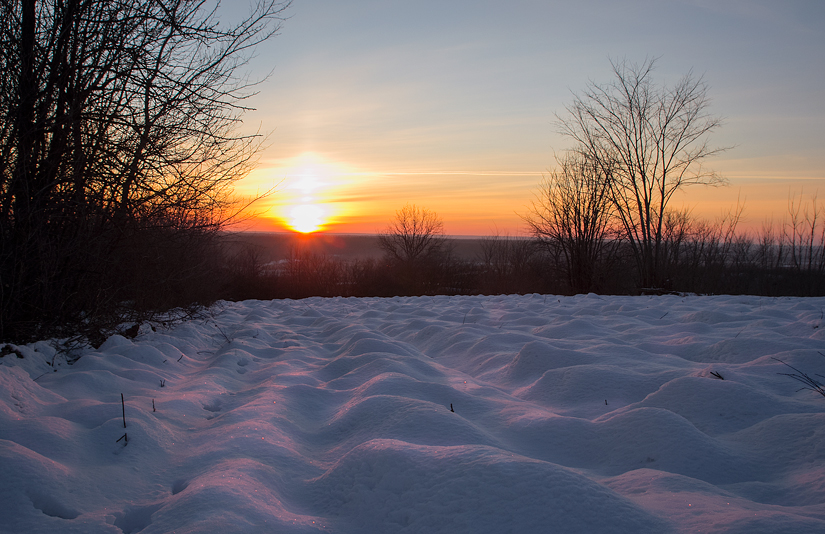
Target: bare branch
x=415, y=233
x=651, y=140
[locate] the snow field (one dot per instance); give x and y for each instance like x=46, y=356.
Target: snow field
x=571, y=414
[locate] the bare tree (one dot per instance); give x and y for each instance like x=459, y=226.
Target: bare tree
x=118, y=118
x=649, y=141
x=804, y=235
x=414, y=245
x=573, y=215
x=414, y=235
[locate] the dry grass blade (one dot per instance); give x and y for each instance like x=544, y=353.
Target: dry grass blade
x=810, y=383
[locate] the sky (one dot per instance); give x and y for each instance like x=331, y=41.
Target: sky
x=452, y=105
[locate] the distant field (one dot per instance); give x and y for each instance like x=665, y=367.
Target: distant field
x=277, y=246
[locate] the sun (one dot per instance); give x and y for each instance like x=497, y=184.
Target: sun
x=309, y=187
x=306, y=218
x=308, y=193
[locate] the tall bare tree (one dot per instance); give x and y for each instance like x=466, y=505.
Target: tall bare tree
x=804, y=235
x=118, y=117
x=649, y=141
x=573, y=216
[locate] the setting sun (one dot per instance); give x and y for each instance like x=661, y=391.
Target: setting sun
x=306, y=195
x=306, y=218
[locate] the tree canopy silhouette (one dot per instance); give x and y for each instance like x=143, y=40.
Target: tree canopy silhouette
x=118, y=132
x=415, y=234
x=648, y=141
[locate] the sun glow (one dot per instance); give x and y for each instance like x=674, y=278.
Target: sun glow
x=312, y=192
x=306, y=218
x=307, y=193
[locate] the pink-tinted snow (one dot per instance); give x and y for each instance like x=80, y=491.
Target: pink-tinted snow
x=571, y=414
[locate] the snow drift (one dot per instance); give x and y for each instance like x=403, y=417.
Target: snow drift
x=433, y=414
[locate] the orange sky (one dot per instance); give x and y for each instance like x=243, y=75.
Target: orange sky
x=451, y=106
x=311, y=193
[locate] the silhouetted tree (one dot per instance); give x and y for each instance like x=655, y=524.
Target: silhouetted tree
x=573, y=216
x=649, y=141
x=118, y=122
x=414, y=242
x=415, y=234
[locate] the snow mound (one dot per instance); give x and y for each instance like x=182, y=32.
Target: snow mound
x=532, y=413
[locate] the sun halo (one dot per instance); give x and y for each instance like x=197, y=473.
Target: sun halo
x=309, y=194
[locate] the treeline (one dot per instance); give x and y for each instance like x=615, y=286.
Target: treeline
x=699, y=257
x=118, y=151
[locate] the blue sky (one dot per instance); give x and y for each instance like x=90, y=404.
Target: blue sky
x=451, y=104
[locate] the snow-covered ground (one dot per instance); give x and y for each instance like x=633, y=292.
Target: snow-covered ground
x=571, y=414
